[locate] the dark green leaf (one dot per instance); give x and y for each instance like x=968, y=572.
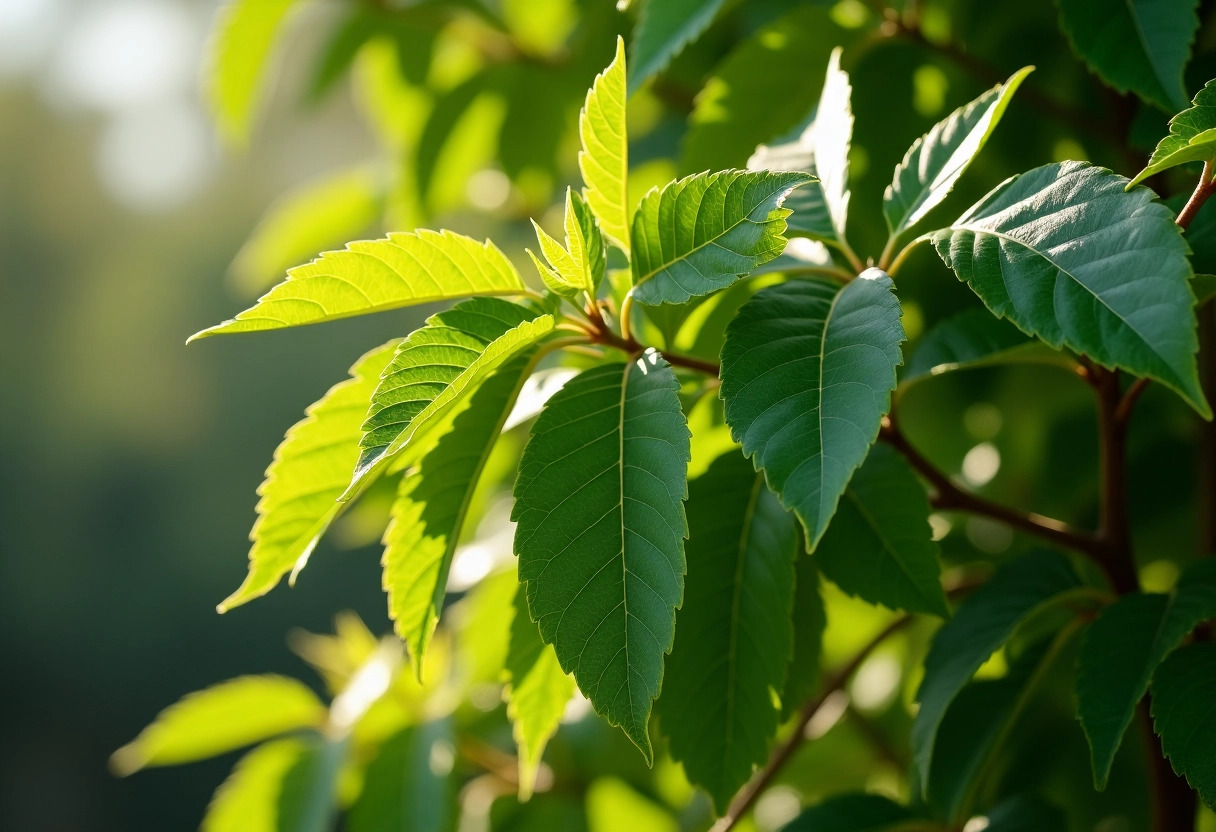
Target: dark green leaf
x=850, y=813
x=663, y=29
x=1026, y=814
x=1184, y=715
x=810, y=620
x=1192, y=136
x=807, y=374
x=406, y=787
x=308, y=799
x=1054, y=251
x=600, y=532
x=975, y=338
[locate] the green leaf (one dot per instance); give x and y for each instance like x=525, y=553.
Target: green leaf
x=1122, y=649
x=319, y=214
x=432, y=503
x=311, y=469
x=831, y=138
x=808, y=206
x=879, y=546
x=937, y=159
x=807, y=375
x=981, y=624
x=975, y=338
x=407, y=787
x=240, y=49
x=221, y=718
x=308, y=800
x=248, y=801
x=810, y=621
x=1137, y=45
x=702, y=233
x=1184, y=715
x=851, y=813
x=578, y=267
x=1192, y=136
x=733, y=634
x=405, y=269
x=663, y=29
x=1026, y=814
x=604, y=158
x=434, y=369
x=1204, y=287
x=600, y=532
x=537, y=693
x=1053, y=251
x=613, y=806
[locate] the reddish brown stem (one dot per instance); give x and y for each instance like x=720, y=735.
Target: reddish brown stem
x=1203, y=192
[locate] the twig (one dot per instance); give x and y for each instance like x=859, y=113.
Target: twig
x=603, y=334
x=1203, y=192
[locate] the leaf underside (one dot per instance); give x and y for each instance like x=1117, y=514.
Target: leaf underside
x=663, y=29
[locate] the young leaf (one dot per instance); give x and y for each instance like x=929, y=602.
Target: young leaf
x=432, y=501
x=1192, y=136
x=810, y=620
x=537, y=692
x=578, y=267
x=702, y=233
x=975, y=338
x=1069, y=256
x=851, y=813
x=600, y=532
x=240, y=49
x=1184, y=715
x=248, y=801
x=221, y=718
x=407, y=784
x=879, y=545
x=981, y=624
x=434, y=369
x=807, y=375
x=1137, y=45
x=1122, y=649
x=663, y=29
x=311, y=469
x=604, y=158
x=733, y=637
x=405, y=269
x=808, y=206
x=831, y=138
x=937, y=159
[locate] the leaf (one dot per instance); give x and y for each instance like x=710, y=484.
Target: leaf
x=981, y=624
x=537, y=693
x=807, y=375
x=308, y=799
x=830, y=141
x=663, y=29
x=810, y=621
x=734, y=639
x=1192, y=136
x=239, y=53
x=808, y=205
x=1183, y=715
x=434, y=369
x=975, y=338
x=604, y=158
x=407, y=784
x=612, y=806
x=1054, y=251
x=578, y=267
x=1137, y=45
x=432, y=503
x=221, y=718
x=311, y=469
x=248, y=801
x=880, y=546
x=702, y=233
x=1026, y=813
x=851, y=813
x=405, y=269
x=937, y=159
x=1122, y=649
x=600, y=532
x=1204, y=287
x=321, y=213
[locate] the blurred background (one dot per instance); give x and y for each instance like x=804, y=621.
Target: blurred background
x=128, y=462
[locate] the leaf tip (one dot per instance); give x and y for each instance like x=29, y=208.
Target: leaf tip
x=127, y=760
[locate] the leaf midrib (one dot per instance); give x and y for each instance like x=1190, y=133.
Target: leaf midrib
x=621, y=507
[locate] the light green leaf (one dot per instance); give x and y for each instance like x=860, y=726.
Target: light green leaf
x=1192, y=136
x=975, y=338
x=537, y=693
x=663, y=29
x=613, y=806
x=600, y=532
x=937, y=159
x=810, y=621
x=322, y=213
x=807, y=375
x=851, y=813
x=1137, y=45
x=432, y=503
x=1122, y=649
x=981, y=624
x=221, y=718
x=407, y=786
x=1054, y=251
x=810, y=215
x=405, y=269
x=578, y=267
x=248, y=801
x=734, y=639
x=434, y=369
x=831, y=138
x=239, y=53
x=604, y=158
x=879, y=546
x=1184, y=715
x=311, y=468
x=702, y=233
